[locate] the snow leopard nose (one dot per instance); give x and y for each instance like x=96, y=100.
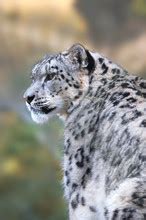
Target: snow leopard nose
x=29, y=99
x=30, y=93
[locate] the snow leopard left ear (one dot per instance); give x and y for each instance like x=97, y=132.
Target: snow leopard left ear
x=82, y=57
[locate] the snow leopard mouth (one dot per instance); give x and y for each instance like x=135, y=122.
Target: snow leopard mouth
x=43, y=110
x=47, y=110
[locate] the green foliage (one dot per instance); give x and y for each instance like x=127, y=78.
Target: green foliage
x=139, y=7
x=30, y=175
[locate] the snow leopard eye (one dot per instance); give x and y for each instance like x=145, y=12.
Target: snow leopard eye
x=50, y=76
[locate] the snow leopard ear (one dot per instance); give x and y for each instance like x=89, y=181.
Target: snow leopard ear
x=77, y=54
x=81, y=57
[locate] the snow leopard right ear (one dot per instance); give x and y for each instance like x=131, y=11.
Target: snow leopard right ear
x=77, y=54
x=82, y=57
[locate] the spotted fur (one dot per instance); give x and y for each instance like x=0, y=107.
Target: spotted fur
x=105, y=132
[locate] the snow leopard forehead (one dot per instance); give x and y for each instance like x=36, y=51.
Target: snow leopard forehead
x=70, y=60
x=47, y=64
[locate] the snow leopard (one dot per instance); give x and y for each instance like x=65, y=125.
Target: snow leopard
x=104, y=113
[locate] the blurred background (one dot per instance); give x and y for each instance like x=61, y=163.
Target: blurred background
x=30, y=154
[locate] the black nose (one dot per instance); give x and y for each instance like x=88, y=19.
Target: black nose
x=29, y=99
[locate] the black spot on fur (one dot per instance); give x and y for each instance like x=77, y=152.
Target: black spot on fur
x=111, y=85
x=128, y=85
x=144, y=95
x=80, y=93
x=125, y=85
x=76, y=137
x=126, y=106
x=68, y=182
x=116, y=161
x=101, y=60
x=125, y=94
x=115, y=214
x=66, y=172
x=104, y=81
x=131, y=100
x=82, y=133
x=80, y=164
x=116, y=102
x=92, y=208
x=74, y=204
x=143, y=85
x=76, y=86
x=67, y=146
x=74, y=186
x=105, y=68
x=143, y=123
x=76, y=97
x=142, y=158
x=112, y=115
x=87, y=159
x=115, y=70
x=138, y=93
x=133, y=170
x=88, y=171
x=138, y=200
x=83, y=201
x=91, y=63
x=135, y=114
x=91, y=129
x=62, y=76
x=105, y=212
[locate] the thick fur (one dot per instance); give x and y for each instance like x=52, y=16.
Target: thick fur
x=105, y=132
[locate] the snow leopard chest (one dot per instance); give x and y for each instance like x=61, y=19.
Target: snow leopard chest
x=80, y=155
